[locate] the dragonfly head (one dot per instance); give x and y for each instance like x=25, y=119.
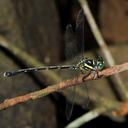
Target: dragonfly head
x=100, y=63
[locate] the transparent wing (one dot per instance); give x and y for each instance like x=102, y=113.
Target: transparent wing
x=88, y=97
x=70, y=51
x=80, y=35
x=80, y=19
x=74, y=97
x=80, y=31
x=70, y=105
x=85, y=85
x=74, y=44
x=70, y=43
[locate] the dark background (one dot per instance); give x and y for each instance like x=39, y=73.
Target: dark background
x=37, y=28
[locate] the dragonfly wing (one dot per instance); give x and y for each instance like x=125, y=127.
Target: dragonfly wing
x=74, y=39
x=75, y=97
x=80, y=30
x=80, y=19
x=87, y=89
x=71, y=49
x=69, y=106
x=88, y=97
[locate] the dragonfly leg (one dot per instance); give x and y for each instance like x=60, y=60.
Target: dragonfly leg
x=95, y=74
x=86, y=75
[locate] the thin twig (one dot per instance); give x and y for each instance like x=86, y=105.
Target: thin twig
x=62, y=85
x=104, y=48
x=87, y=117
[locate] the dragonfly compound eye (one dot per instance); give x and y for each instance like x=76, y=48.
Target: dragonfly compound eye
x=100, y=63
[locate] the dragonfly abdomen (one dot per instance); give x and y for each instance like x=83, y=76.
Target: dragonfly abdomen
x=16, y=72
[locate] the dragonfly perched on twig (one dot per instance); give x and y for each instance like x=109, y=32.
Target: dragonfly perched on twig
x=83, y=65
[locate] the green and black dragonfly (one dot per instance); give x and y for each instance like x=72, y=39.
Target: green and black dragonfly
x=83, y=65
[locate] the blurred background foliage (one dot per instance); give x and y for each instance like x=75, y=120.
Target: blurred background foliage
x=37, y=28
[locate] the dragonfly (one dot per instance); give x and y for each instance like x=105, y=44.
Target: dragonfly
x=83, y=65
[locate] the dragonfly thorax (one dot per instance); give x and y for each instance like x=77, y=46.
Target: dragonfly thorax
x=90, y=64
x=86, y=64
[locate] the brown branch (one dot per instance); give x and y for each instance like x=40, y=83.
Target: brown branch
x=62, y=85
